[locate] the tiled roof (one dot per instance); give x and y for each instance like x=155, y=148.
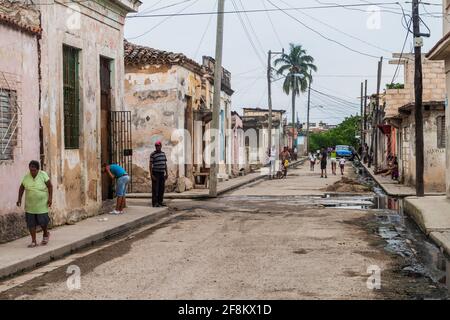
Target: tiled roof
x=4, y=19
x=21, y=16
x=141, y=55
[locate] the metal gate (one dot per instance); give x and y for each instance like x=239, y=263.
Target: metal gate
x=121, y=148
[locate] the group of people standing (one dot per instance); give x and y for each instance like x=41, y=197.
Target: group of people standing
x=38, y=191
x=321, y=157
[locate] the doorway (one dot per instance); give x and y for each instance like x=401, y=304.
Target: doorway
x=105, y=111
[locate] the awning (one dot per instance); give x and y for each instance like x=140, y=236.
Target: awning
x=385, y=128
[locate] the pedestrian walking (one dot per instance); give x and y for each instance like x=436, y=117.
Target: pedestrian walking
x=285, y=156
x=323, y=162
x=342, y=165
x=38, y=199
x=333, y=160
x=272, y=159
x=312, y=161
x=159, y=174
x=122, y=178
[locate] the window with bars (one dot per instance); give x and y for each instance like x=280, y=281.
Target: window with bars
x=71, y=97
x=441, y=132
x=8, y=123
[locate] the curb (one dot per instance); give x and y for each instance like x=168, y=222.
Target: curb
x=67, y=249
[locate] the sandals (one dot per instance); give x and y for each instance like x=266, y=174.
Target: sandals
x=45, y=239
x=32, y=245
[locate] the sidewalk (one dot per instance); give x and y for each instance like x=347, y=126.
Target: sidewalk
x=16, y=257
x=432, y=215
x=222, y=187
x=392, y=187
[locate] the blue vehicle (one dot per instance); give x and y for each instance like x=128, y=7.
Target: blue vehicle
x=343, y=151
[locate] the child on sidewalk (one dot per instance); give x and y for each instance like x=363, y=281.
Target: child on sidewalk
x=342, y=165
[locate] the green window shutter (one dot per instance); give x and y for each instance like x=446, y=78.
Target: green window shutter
x=71, y=98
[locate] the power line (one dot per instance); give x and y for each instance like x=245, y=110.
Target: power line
x=323, y=36
x=251, y=27
x=273, y=26
x=401, y=54
x=161, y=22
x=204, y=34
x=340, y=31
x=251, y=10
x=248, y=35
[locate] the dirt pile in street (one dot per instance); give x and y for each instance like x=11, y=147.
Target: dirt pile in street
x=347, y=185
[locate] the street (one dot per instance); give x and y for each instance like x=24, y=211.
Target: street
x=273, y=239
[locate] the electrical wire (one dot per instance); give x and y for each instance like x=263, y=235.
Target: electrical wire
x=340, y=31
x=204, y=34
x=253, y=10
x=401, y=53
x=248, y=35
x=161, y=22
x=273, y=26
x=323, y=36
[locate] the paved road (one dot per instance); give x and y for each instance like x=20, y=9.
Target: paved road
x=269, y=240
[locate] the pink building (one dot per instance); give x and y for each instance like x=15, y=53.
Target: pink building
x=19, y=109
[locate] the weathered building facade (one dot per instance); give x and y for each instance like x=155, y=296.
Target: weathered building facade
x=256, y=128
x=396, y=124
x=74, y=81
x=82, y=74
x=19, y=108
x=441, y=52
x=170, y=99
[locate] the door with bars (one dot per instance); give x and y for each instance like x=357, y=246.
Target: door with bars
x=121, y=143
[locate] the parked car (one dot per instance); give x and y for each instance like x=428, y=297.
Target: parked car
x=343, y=151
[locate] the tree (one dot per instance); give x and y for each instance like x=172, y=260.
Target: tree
x=296, y=66
x=344, y=134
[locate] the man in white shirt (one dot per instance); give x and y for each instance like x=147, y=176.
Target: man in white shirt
x=272, y=159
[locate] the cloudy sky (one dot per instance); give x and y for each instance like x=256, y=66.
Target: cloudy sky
x=346, y=42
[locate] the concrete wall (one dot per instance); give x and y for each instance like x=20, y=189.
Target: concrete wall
x=447, y=124
x=19, y=64
x=434, y=171
x=238, y=145
x=433, y=85
x=156, y=96
x=97, y=30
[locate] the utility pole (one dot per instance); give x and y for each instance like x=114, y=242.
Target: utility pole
x=269, y=92
x=216, y=101
x=373, y=158
x=307, y=116
x=365, y=109
x=269, y=95
x=377, y=106
x=420, y=189
x=362, y=115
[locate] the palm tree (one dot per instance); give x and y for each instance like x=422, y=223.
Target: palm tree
x=296, y=66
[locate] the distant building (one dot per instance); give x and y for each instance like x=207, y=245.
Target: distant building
x=256, y=127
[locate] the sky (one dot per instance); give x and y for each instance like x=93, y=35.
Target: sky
x=346, y=43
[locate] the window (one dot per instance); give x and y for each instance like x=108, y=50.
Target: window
x=71, y=98
x=8, y=123
x=441, y=132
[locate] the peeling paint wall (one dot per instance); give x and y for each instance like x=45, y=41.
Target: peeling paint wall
x=157, y=97
x=434, y=170
x=97, y=31
x=19, y=66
